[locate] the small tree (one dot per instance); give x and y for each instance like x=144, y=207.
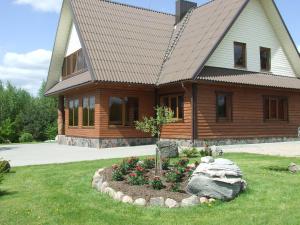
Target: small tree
x=154, y=126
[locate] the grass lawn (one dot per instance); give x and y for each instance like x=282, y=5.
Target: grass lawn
x=62, y=194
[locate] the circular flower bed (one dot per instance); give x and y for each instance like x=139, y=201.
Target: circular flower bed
x=134, y=181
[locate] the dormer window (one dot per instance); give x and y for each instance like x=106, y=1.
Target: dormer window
x=240, y=58
x=265, y=59
x=74, y=63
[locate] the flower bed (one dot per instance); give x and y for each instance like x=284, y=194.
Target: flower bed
x=134, y=181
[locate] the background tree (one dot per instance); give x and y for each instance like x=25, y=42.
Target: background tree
x=154, y=126
x=22, y=113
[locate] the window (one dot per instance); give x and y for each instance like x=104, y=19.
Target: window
x=275, y=108
x=73, y=112
x=224, y=106
x=175, y=103
x=88, y=115
x=74, y=63
x=240, y=55
x=123, y=111
x=265, y=59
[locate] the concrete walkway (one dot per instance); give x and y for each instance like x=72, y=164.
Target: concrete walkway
x=288, y=149
x=48, y=153
x=45, y=153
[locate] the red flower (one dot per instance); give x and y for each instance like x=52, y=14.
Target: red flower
x=133, y=175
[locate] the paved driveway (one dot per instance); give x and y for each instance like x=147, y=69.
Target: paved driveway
x=289, y=149
x=35, y=154
x=47, y=153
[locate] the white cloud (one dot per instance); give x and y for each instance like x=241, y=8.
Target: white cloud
x=42, y=5
x=26, y=70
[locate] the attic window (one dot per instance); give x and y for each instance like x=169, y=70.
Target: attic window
x=265, y=59
x=240, y=55
x=74, y=63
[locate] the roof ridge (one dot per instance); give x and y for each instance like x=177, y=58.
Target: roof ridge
x=172, y=45
x=137, y=7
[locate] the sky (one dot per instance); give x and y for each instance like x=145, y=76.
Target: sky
x=28, y=29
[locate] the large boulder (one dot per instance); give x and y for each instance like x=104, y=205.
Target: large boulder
x=220, y=179
x=168, y=149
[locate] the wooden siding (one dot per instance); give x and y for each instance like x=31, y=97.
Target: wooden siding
x=182, y=129
x=80, y=131
x=247, y=113
x=254, y=28
x=102, y=92
x=146, y=108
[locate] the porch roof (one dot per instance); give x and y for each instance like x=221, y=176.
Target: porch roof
x=233, y=76
x=71, y=82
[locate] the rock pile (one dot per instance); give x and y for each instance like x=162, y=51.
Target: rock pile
x=219, y=179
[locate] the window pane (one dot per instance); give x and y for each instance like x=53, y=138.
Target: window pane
x=115, y=110
x=132, y=111
x=283, y=109
x=92, y=111
x=165, y=101
x=71, y=108
x=76, y=105
x=85, y=108
x=80, y=65
x=174, y=106
x=221, y=106
x=273, y=108
x=180, y=107
x=266, y=109
x=240, y=54
x=265, y=58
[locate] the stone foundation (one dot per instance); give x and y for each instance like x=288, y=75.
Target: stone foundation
x=218, y=142
x=103, y=143
x=123, y=142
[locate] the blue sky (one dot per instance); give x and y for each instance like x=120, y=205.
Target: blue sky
x=28, y=31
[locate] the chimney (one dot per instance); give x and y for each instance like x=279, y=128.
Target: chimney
x=182, y=7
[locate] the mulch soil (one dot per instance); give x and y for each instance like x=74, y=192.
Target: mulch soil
x=146, y=191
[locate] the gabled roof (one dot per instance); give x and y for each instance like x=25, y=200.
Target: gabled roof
x=206, y=27
x=128, y=44
x=231, y=76
x=124, y=44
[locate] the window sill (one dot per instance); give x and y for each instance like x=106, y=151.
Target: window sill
x=240, y=67
x=276, y=121
x=73, y=127
x=88, y=127
x=120, y=126
x=225, y=120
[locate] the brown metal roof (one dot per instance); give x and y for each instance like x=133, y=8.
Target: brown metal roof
x=123, y=43
x=215, y=74
x=71, y=82
x=205, y=29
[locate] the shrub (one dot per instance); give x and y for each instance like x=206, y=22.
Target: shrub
x=139, y=169
x=183, y=162
x=132, y=161
x=175, y=187
x=134, y=179
x=173, y=176
x=206, y=152
x=117, y=174
x=26, y=137
x=156, y=183
x=149, y=163
x=190, y=152
x=4, y=166
x=165, y=163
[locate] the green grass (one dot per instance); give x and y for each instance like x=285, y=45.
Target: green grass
x=62, y=194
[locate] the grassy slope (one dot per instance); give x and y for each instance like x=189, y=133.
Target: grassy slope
x=61, y=194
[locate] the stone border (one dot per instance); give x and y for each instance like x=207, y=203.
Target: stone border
x=102, y=186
